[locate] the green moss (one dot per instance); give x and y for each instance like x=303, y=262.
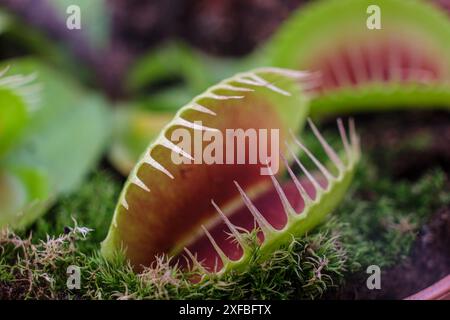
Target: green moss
x=376, y=224
x=92, y=206
x=385, y=216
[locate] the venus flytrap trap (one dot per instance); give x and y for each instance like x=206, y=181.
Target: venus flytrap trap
x=404, y=64
x=159, y=192
x=211, y=210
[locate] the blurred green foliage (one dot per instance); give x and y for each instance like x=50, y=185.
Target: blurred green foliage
x=62, y=141
x=13, y=118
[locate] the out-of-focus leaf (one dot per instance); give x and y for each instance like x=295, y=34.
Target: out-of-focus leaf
x=134, y=127
x=173, y=60
x=13, y=117
x=23, y=39
x=168, y=100
x=68, y=146
x=24, y=194
x=4, y=21
x=63, y=141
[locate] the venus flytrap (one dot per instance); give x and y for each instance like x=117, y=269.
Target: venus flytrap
x=403, y=65
x=263, y=99
x=166, y=207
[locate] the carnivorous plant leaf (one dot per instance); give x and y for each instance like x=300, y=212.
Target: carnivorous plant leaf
x=163, y=204
x=404, y=64
x=289, y=209
x=211, y=208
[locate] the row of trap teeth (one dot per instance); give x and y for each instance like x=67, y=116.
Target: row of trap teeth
x=350, y=69
x=243, y=82
x=352, y=152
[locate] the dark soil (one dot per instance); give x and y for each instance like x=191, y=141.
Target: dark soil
x=407, y=145
x=428, y=263
x=222, y=27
